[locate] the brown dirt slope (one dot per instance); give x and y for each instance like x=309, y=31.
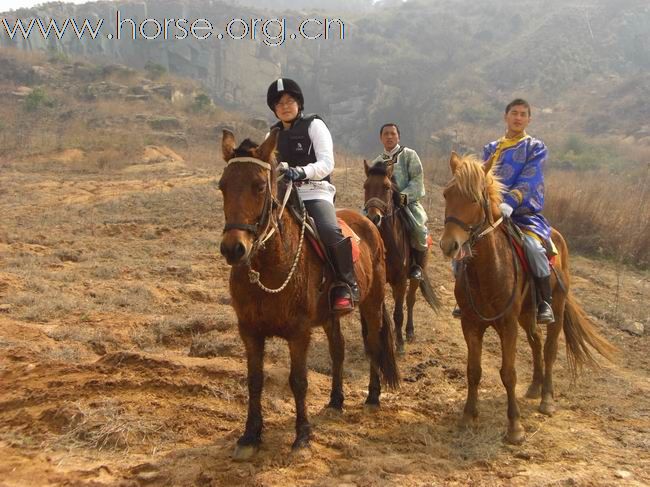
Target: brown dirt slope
x=120, y=362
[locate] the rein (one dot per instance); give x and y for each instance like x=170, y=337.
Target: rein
x=476, y=233
x=270, y=226
x=389, y=230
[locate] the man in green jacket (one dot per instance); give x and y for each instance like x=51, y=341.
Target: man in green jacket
x=409, y=181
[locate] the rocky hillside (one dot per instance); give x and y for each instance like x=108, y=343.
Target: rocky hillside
x=92, y=117
x=441, y=69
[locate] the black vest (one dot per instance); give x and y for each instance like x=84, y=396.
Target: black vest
x=294, y=145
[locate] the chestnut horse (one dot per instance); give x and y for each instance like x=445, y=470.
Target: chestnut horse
x=381, y=208
x=265, y=247
x=491, y=290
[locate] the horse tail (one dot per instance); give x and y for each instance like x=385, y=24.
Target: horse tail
x=387, y=360
x=581, y=334
x=430, y=295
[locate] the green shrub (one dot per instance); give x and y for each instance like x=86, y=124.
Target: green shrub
x=36, y=99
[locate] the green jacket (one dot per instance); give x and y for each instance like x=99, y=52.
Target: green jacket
x=409, y=180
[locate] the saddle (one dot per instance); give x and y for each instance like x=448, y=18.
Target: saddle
x=516, y=236
x=296, y=207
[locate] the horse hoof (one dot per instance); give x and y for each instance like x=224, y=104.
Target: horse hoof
x=467, y=422
x=371, y=407
x=334, y=407
x=410, y=337
x=516, y=436
x=547, y=408
x=301, y=453
x=400, y=348
x=244, y=453
x=333, y=411
x=534, y=391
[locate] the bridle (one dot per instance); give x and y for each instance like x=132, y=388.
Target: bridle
x=476, y=232
x=267, y=223
x=265, y=220
x=479, y=230
x=387, y=210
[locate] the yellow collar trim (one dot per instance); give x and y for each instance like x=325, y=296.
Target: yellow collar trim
x=506, y=143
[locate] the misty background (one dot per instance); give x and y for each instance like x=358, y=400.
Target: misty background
x=443, y=70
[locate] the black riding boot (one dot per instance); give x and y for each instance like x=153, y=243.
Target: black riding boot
x=417, y=263
x=345, y=291
x=544, y=309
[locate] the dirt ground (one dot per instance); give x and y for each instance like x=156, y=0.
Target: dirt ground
x=120, y=362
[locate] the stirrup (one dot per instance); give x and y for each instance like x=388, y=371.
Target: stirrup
x=342, y=297
x=545, y=314
x=416, y=272
x=456, y=312
x=342, y=304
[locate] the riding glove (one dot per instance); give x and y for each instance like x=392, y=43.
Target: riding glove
x=506, y=210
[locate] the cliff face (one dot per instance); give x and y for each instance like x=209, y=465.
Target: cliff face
x=232, y=70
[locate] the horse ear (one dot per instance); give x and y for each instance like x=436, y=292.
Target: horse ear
x=228, y=145
x=265, y=151
x=454, y=162
x=366, y=167
x=488, y=164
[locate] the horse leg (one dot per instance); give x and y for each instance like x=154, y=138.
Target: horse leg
x=248, y=444
x=528, y=322
x=474, y=339
x=298, y=381
x=336, y=344
x=372, y=322
x=414, y=285
x=399, y=291
x=547, y=405
x=508, y=335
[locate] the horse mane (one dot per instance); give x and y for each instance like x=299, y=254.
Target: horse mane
x=245, y=148
x=469, y=178
x=379, y=168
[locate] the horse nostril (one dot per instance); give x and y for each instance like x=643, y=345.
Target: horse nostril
x=239, y=250
x=455, y=247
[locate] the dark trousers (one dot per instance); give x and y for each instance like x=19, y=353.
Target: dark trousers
x=327, y=225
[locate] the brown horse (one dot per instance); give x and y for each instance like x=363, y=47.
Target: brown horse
x=382, y=210
x=265, y=247
x=491, y=290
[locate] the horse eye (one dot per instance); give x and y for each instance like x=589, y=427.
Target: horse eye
x=260, y=187
x=387, y=188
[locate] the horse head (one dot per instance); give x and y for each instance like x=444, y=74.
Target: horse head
x=248, y=185
x=471, y=201
x=378, y=191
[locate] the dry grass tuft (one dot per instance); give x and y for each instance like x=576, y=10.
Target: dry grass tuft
x=107, y=425
x=602, y=214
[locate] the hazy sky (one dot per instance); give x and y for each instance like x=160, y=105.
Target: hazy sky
x=14, y=4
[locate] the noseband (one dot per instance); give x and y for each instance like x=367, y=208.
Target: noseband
x=477, y=231
x=379, y=204
x=260, y=228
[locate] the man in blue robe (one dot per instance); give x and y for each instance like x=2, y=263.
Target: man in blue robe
x=519, y=162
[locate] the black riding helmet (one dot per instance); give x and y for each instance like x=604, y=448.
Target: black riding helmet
x=281, y=86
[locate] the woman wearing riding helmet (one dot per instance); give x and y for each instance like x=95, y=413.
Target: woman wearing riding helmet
x=306, y=151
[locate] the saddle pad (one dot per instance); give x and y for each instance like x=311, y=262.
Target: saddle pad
x=356, y=240
x=347, y=232
x=522, y=255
